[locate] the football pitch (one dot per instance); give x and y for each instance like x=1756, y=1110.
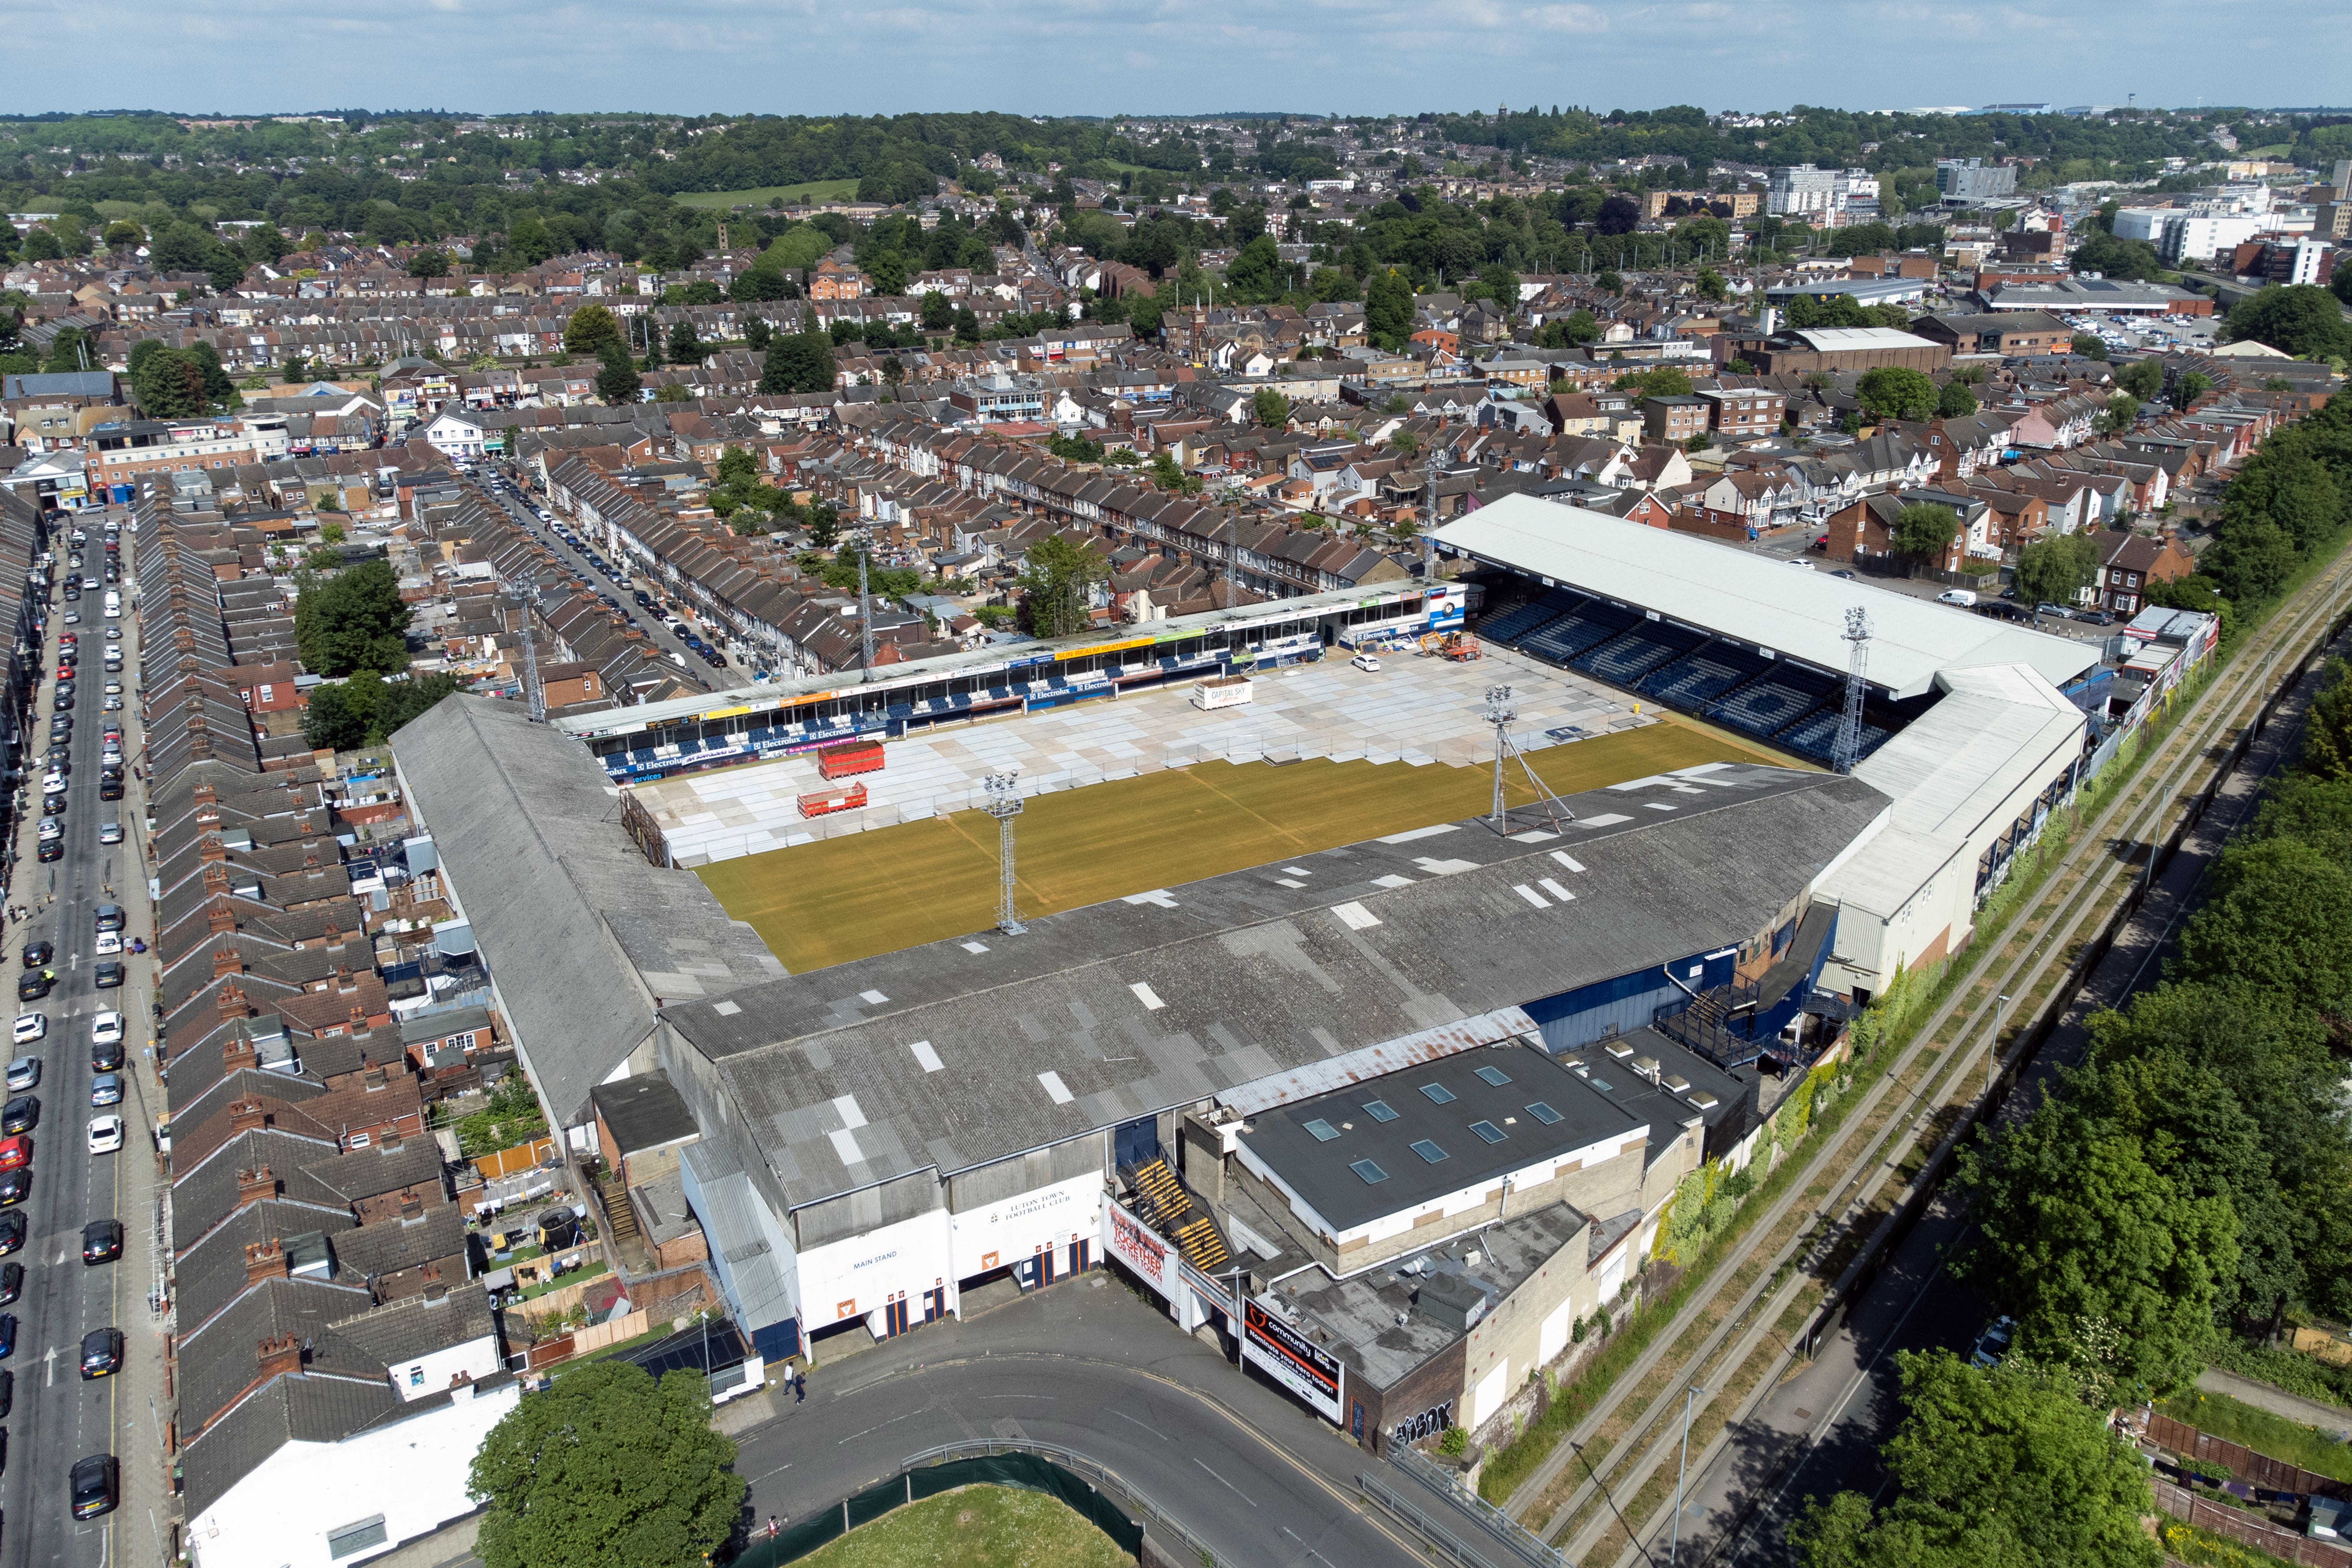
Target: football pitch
x=842, y=898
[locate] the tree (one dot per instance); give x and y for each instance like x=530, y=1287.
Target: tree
x=2302, y=320
x=337, y=716
x=2000, y=1469
x=2327, y=725
x=1608, y=283
x=124, y=234
x=2089, y=346
x=429, y=264
x=1664, y=381
x=2121, y=412
x=2105, y=255
x=1387, y=310
x=2112, y=1270
x=590, y=328
x=351, y=621
x=1272, y=408
x=937, y=314
x=798, y=362
x=1956, y=401
x=1711, y=286
x=1058, y=582
x=2273, y=917
x=616, y=380
x=2194, y=386
x=1925, y=531
x=966, y=326
x=606, y=1467
x=169, y=383
x=1893, y=392
x=685, y=345
x=2143, y=378
x=2054, y=570
x=757, y=334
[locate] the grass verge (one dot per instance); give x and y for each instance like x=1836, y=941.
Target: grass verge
x=761, y=195
x=975, y=1527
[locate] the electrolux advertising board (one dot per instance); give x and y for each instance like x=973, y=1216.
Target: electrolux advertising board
x=1292, y=1361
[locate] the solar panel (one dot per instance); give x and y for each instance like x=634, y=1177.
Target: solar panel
x=1429, y=1150
x=1373, y=1176
x=1380, y=1111
x=1495, y=1075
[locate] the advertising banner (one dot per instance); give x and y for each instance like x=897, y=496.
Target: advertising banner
x=1139, y=1251
x=1294, y=1361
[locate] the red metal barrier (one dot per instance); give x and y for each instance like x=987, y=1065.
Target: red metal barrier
x=821, y=803
x=852, y=757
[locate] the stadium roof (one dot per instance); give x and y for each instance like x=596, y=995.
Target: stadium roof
x=2086, y=294
x=1770, y=604
x=1346, y=963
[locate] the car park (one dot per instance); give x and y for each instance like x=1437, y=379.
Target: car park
x=105, y=1134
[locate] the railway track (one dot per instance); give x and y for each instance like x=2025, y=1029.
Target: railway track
x=1599, y=1488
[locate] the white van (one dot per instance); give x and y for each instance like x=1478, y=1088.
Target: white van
x=1963, y=597
x=113, y=605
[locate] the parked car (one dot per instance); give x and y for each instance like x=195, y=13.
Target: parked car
x=105, y=1138
x=21, y=1114
x=94, y=1486
x=30, y=1026
x=24, y=1073
x=101, y=1353
x=106, y=1088
x=106, y=1029
x=1993, y=1344
x=101, y=1241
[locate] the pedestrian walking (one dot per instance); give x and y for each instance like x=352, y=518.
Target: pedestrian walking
x=774, y=1527
x=800, y=1386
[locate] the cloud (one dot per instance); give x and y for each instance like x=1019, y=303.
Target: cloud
x=1092, y=57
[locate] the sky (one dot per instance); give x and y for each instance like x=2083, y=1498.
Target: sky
x=1094, y=57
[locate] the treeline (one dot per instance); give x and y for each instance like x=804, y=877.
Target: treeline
x=2181, y=1188
x=2289, y=503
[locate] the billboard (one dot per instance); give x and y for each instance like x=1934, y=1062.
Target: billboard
x=1292, y=1361
x=1140, y=1253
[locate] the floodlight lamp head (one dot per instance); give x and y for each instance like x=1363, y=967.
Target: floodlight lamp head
x=1857, y=624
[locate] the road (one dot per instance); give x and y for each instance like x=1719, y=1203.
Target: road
x=58, y=1417
x=1086, y=1366
x=1819, y=1432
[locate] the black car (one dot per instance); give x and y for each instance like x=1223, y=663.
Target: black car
x=62, y=703
x=109, y=789
x=7, y=1335
x=34, y=983
x=101, y=1353
x=12, y=1285
x=53, y=806
x=16, y=1186
x=94, y=1485
x=50, y=850
x=101, y=1241
x=106, y=1058
x=12, y=1236
x=37, y=954
x=21, y=1114
x=109, y=975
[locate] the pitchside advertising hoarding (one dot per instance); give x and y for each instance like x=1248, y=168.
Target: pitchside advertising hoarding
x=1292, y=1361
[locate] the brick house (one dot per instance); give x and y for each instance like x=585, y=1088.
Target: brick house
x=2128, y=562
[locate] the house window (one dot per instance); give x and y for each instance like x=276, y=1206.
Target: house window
x=356, y=1537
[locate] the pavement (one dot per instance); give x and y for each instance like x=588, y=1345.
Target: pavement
x=58, y=1417
x=1820, y=1430
x=2277, y=1401
x=1413, y=709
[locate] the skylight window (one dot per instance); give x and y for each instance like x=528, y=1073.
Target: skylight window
x=1373, y=1176
x=1495, y=1075
x=1323, y=1131
x=1488, y=1130
x=1438, y=1092
x=1544, y=1113
x=1380, y=1111
x=1428, y=1151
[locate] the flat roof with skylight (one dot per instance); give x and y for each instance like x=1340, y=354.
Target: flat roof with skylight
x=1458, y=1124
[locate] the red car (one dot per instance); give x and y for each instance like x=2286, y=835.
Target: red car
x=16, y=1152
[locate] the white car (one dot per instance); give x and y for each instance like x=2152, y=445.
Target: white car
x=105, y=1134
x=1366, y=662
x=109, y=943
x=106, y=1029
x=24, y=1073
x=31, y=1026
x=108, y=832
x=55, y=783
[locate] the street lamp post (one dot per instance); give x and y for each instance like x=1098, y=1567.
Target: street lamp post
x=1674, y=1544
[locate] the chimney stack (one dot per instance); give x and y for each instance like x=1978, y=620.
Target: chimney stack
x=246, y=1116
x=281, y=1357
x=226, y=961
x=256, y=1186
x=232, y=1002
x=240, y=1055
x=264, y=1260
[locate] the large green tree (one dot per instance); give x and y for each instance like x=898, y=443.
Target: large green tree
x=2301, y=318
x=589, y=328
x=2275, y=915
x=606, y=1468
x=1891, y=392
x=616, y=375
x=2111, y=1268
x=1923, y=531
x=2004, y=1470
x=798, y=362
x=1388, y=310
x=2052, y=571
x=2327, y=725
x=351, y=621
x=1057, y=581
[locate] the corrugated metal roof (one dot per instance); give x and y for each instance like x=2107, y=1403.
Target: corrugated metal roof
x=1759, y=601
x=1374, y=1062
